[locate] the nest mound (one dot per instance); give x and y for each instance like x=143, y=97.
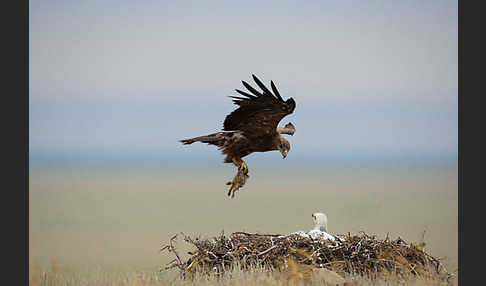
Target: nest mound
x=360, y=254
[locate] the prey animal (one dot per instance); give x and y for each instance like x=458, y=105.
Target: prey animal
x=252, y=127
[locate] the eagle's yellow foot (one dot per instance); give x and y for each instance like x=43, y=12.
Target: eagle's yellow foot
x=243, y=168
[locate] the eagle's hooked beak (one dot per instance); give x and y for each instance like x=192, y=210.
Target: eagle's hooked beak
x=284, y=153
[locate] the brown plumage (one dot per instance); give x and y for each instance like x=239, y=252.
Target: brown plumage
x=252, y=127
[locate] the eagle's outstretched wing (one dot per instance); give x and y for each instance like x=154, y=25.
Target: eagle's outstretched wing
x=259, y=112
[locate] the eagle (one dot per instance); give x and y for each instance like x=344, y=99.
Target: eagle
x=319, y=231
x=252, y=127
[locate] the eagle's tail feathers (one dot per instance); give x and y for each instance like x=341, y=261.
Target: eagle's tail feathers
x=187, y=141
x=214, y=139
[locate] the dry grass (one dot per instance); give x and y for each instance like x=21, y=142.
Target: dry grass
x=295, y=274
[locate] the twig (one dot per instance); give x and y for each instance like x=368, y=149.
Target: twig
x=261, y=253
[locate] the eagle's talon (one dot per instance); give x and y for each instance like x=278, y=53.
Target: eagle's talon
x=243, y=168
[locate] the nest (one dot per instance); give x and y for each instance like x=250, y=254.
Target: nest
x=360, y=254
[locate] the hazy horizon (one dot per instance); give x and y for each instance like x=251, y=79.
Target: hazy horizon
x=117, y=80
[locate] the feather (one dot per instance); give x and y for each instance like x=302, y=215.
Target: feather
x=251, y=89
x=239, y=98
x=262, y=86
x=275, y=91
x=244, y=93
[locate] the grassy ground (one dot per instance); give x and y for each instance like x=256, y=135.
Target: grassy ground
x=55, y=275
x=104, y=227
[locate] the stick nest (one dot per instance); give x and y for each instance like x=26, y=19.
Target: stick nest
x=360, y=254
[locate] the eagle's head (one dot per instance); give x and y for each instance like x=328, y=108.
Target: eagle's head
x=284, y=146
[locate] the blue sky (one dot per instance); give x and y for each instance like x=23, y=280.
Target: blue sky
x=125, y=79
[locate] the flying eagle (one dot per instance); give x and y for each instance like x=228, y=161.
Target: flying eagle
x=252, y=127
